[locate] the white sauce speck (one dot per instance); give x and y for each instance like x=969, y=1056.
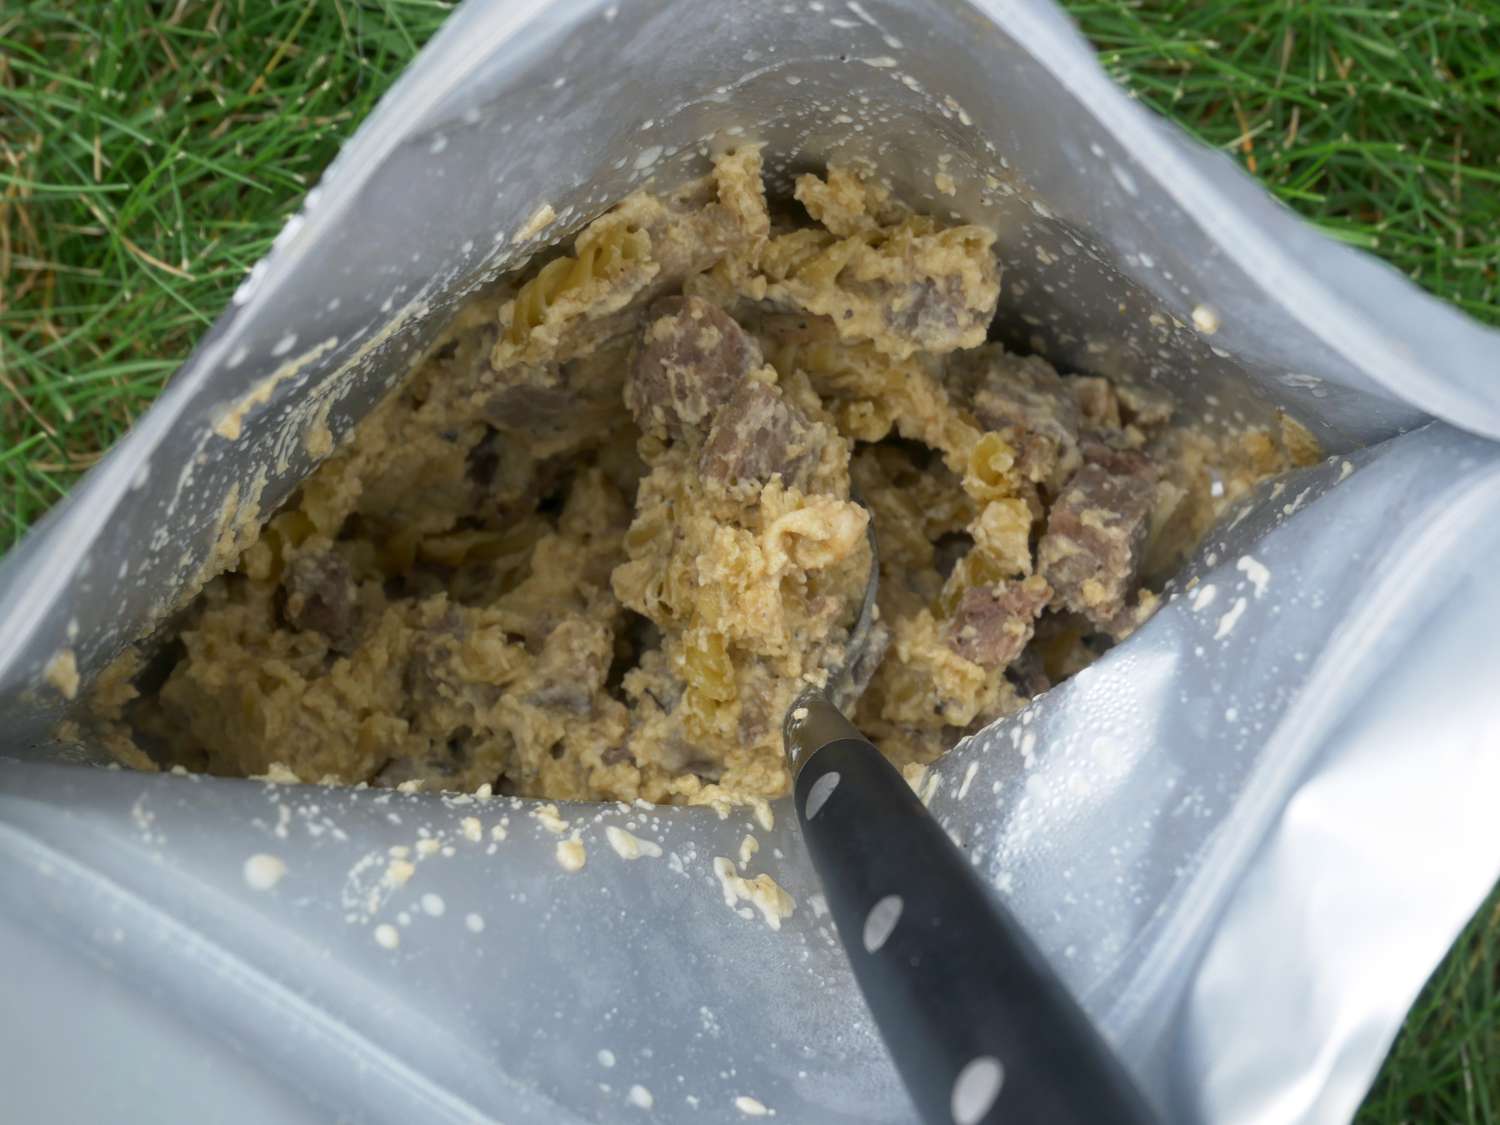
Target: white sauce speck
x=750, y=1107
x=640, y=1097
x=473, y=831
x=387, y=936
x=539, y=221
x=628, y=846
x=62, y=673
x=474, y=922
x=550, y=819
x=1205, y=319
x=262, y=872
x=764, y=816
x=433, y=905
x=1204, y=598
x=963, y=786
x=1230, y=619
x=1028, y=748
x=606, y=1057
x=762, y=892
x=1256, y=572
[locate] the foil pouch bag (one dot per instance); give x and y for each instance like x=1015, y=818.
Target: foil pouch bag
x=1243, y=837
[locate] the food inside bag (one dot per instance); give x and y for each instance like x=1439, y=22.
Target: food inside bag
x=617, y=519
x=1221, y=833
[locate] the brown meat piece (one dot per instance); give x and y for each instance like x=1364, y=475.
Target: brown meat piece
x=434, y=680
x=1120, y=462
x=666, y=690
x=691, y=359
x=575, y=660
x=614, y=755
x=757, y=435
x=428, y=680
x=321, y=597
x=933, y=312
x=1030, y=400
x=535, y=402
x=1096, y=534
x=992, y=624
x=553, y=409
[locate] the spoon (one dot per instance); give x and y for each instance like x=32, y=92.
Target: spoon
x=979, y=1026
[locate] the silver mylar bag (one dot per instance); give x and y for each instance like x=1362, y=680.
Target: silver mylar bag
x=1244, y=837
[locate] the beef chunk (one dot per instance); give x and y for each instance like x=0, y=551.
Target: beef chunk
x=1096, y=534
x=758, y=434
x=1119, y=462
x=654, y=686
x=933, y=312
x=1025, y=397
x=992, y=624
x=614, y=755
x=574, y=665
x=534, y=401
x=556, y=407
x=691, y=360
x=428, y=680
x=437, y=678
x=321, y=597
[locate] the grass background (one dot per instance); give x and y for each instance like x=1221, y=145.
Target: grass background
x=149, y=152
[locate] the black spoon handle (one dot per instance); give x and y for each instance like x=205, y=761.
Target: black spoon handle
x=979, y=1027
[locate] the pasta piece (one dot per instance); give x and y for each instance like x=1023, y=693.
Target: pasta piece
x=610, y=263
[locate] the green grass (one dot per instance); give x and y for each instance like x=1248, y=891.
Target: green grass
x=149, y=152
x=148, y=156
x=1380, y=124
